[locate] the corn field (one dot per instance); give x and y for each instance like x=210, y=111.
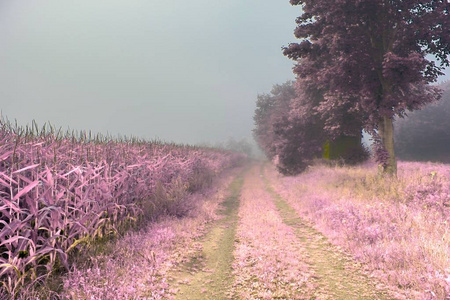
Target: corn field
x=60, y=190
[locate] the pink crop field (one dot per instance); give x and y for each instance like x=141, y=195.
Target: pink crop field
x=59, y=192
x=397, y=227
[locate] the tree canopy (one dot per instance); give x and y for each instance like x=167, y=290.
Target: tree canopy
x=370, y=58
x=286, y=130
x=270, y=110
x=292, y=133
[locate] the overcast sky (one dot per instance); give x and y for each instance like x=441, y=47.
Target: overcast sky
x=184, y=71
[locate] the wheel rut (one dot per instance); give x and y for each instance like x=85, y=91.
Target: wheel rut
x=338, y=276
x=208, y=274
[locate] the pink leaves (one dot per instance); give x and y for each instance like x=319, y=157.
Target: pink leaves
x=380, y=57
x=55, y=192
x=11, y=181
x=26, y=168
x=399, y=70
x=26, y=190
x=5, y=155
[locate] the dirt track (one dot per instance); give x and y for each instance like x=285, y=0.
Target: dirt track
x=261, y=249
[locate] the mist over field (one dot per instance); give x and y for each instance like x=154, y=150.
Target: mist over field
x=177, y=71
x=152, y=69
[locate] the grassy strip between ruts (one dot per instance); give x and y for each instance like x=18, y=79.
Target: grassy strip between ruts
x=269, y=260
x=208, y=275
x=338, y=276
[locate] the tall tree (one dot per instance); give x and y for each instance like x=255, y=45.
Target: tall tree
x=270, y=109
x=285, y=128
x=300, y=133
x=371, y=56
x=292, y=133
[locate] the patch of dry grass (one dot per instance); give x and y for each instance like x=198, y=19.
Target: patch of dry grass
x=397, y=227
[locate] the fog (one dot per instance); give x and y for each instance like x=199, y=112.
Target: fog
x=184, y=71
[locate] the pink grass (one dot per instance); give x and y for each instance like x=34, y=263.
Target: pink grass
x=397, y=227
x=139, y=264
x=268, y=262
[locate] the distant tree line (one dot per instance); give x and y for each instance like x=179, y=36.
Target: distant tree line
x=242, y=146
x=292, y=134
x=359, y=65
x=424, y=135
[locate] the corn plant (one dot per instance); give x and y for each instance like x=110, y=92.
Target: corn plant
x=60, y=191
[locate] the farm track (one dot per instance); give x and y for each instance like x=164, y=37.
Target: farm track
x=208, y=274
x=338, y=275
x=323, y=272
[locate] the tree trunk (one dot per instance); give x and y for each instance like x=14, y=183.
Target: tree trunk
x=386, y=132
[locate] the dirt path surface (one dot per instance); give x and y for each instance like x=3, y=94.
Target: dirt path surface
x=269, y=261
x=261, y=249
x=208, y=273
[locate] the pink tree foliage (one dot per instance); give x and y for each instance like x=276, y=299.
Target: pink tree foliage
x=286, y=129
x=270, y=109
x=300, y=133
x=292, y=132
x=371, y=57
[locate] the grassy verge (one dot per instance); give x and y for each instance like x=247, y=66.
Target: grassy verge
x=338, y=276
x=397, y=228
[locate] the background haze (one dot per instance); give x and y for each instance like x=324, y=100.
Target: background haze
x=179, y=71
